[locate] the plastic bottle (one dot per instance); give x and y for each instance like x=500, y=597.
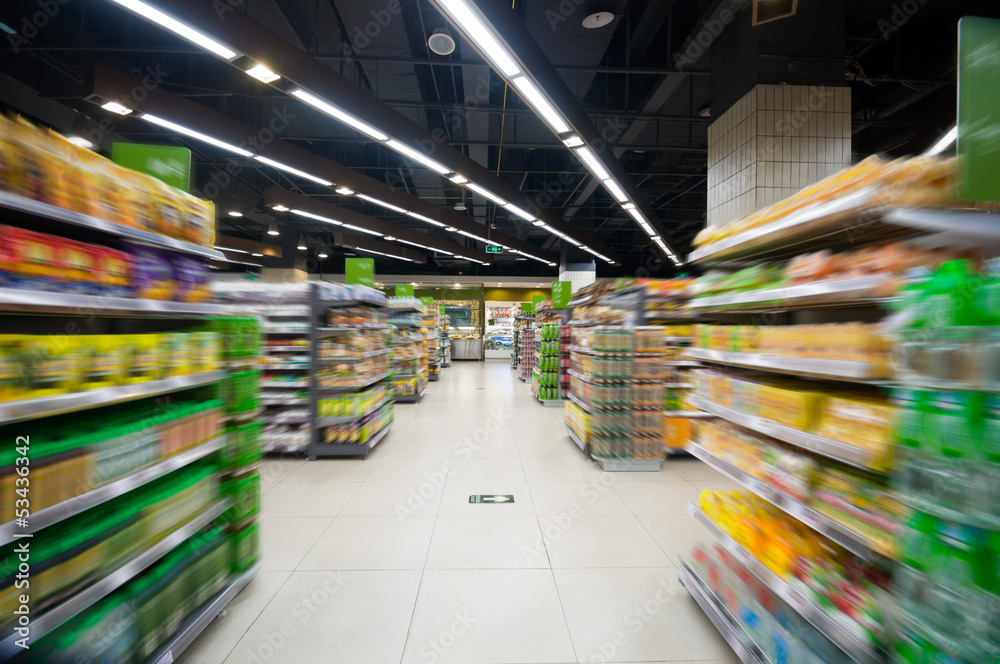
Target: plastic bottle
x=950, y=296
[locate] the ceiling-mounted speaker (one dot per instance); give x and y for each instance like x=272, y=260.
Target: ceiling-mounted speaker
x=441, y=42
x=765, y=11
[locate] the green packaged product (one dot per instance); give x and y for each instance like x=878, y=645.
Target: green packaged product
x=955, y=421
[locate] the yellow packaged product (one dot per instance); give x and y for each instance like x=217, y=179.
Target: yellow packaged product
x=13, y=355
x=139, y=358
x=51, y=362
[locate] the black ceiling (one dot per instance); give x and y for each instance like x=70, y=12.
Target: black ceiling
x=900, y=65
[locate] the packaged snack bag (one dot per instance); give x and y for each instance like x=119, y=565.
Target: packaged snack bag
x=152, y=273
x=30, y=260
x=192, y=279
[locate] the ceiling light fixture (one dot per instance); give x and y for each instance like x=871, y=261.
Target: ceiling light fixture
x=389, y=238
x=180, y=29
x=573, y=141
x=180, y=129
x=116, y=107
x=293, y=171
x=279, y=208
x=345, y=191
x=302, y=246
x=337, y=114
x=418, y=156
x=477, y=32
x=263, y=74
x=539, y=223
x=376, y=201
x=523, y=214
x=363, y=230
x=425, y=219
x=257, y=255
x=382, y=253
x=272, y=229
x=322, y=254
x=592, y=163
x=458, y=178
x=485, y=193
x=80, y=141
x=235, y=213
x=534, y=98
x=615, y=190
x=240, y=251
x=450, y=229
x=317, y=217
x=945, y=142
x=628, y=206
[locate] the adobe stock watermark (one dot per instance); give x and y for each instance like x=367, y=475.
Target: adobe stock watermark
x=709, y=32
x=269, y=643
x=561, y=523
x=464, y=450
x=901, y=14
x=32, y=23
x=443, y=642
x=635, y=620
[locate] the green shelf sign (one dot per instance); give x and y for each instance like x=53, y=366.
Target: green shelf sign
x=562, y=293
x=979, y=109
x=168, y=163
x=360, y=271
x=404, y=290
x=427, y=300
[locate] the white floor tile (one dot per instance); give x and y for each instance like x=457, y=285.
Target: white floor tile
x=307, y=498
x=561, y=470
x=485, y=470
x=640, y=615
x=600, y=541
x=373, y=542
x=595, y=496
x=455, y=499
x=331, y=616
x=410, y=470
x=657, y=497
x=488, y=617
x=284, y=541
x=472, y=542
x=332, y=470
x=399, y=499
x=677, y=534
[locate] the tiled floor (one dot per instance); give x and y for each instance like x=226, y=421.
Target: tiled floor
x=384, y=561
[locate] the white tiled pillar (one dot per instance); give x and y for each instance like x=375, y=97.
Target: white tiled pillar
x=773, y=142
x=578, y=274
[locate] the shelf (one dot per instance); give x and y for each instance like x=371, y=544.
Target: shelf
x=678, y=386
x=301, y=366
x=628, y=465
x=323, y=332
x=848, y=640
x=336, y=390
x=284, y=331
x=793, y=233
x=76, y=604
x=579, y=402
x=14, y=203
x=34, y=301
x=689, y=414
x=801, y=366
x=28, y=409
x=855, y=542
x=347, y=419
x=854, y=456
x=404, y=310
x=404, y=376
x=595, y=380
x=336, y=450
x=288, y=349
x=591, y=351
x=974, y=224
x=197, y=622
x=682, y=363
x=409, y=398
x=326, y=304
x=549, y=403
x=851, y=291
x=77, y=504
x=352, y=358
x=283, y=384
x=725, y=622
x=576, y=439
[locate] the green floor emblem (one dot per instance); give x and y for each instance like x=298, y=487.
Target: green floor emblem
x=491, y=499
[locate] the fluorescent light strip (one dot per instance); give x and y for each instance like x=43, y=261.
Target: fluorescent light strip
x=263, y=73
x=180, y=129
x=615, y=190
x=382, y=253
x=637, y=215
x=293, y=171
x=180, y=29
x=592, y=163
x=337, y=114
x=534, y=97
x=240, y=251
x=479, y=34
x=424, y=246
x=485, y=193
x=317, y=217
x=475, y=237
x=363, y=230
x=944, y=143
x=573, y=141
x=344, y=191
x=116, y=107
x=458, y=178
x=523, y=214
x=425, y=219
x=394, y=208
x=417, y=156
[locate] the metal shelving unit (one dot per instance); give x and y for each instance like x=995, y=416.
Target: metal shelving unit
x=851, y=291
x=800, y=366
x=833, y=449
x=848, y=640
x=29, y=409
x=50, y=620
x=410, y=398
x=855, y=542
x=198, y=621
x=729, y=627
x=45, y=302
x=316, y=448
x=77, y=504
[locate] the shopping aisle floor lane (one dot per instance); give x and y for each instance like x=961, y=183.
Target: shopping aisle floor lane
x=385, y=561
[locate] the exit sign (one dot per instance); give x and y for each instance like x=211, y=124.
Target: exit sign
x=494, y=249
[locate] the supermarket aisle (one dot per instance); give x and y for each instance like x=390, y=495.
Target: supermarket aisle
x=385, y=560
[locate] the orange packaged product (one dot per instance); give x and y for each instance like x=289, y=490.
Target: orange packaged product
x=80, y=261
x=30, y=260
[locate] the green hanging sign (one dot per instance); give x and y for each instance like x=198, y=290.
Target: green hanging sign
x=526, y=307
x=427, y=300
x=562, y=293
x=404, y=290
x=535, y=300
x=168, y=163
x=441, y=309
x=360, y=271
x=978, y=104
